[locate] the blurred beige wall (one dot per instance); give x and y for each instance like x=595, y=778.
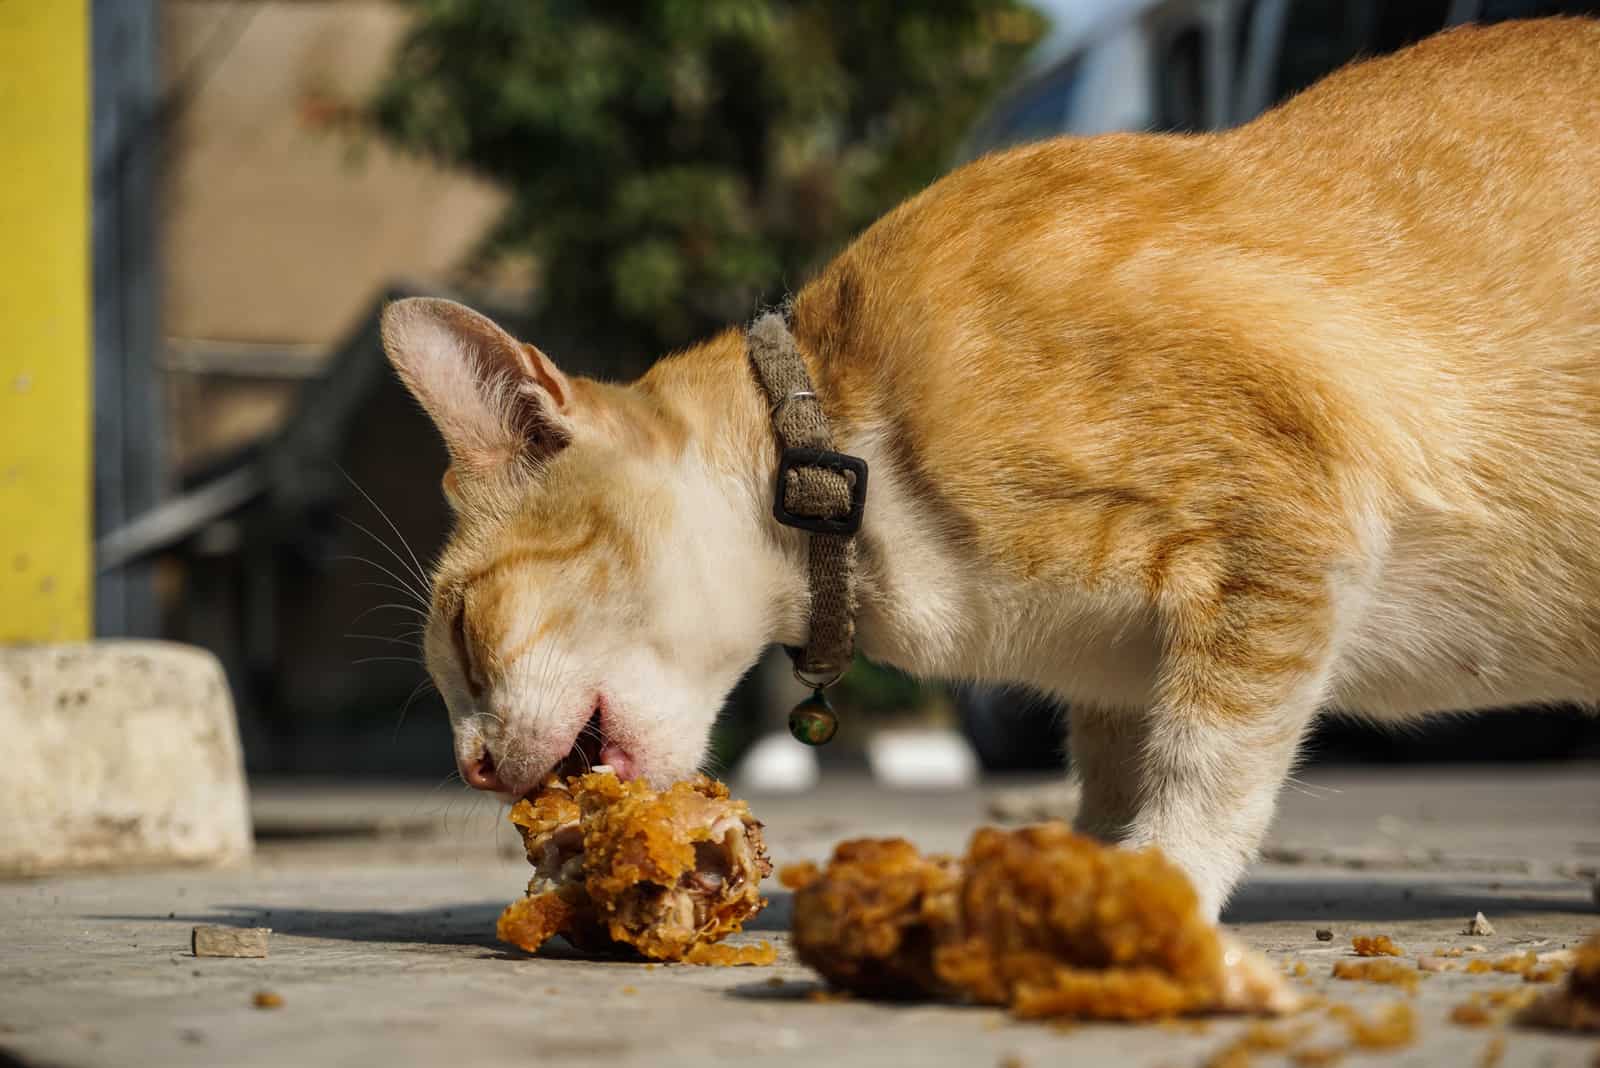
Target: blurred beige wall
x=278, y=229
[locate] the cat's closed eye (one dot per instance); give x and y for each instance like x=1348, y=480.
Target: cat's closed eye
x=469, y=666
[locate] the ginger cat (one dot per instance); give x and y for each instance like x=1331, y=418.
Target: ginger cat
x=1200, y=434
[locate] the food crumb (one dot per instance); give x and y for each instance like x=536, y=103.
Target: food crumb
x=1187, y=1026
x=630, y=990
x=1257, y=1038
x=1390, y=972
x=1324, y=934
x=1299, y=969
x=1381, y=946
x=1392, y=1027
x=1229, y=1057
x=1442, y=951
x=1433, y=964
x=726, y=956
x=1317, y=1056
x=1516, y=998
x=1493, y=1052
x=799, y=876
x=1517, y=963
x=1471, y=1014
x=1479, y=925
x=1478, y=967
x=267, y=999
x=1010, y=1060
x=826, y=995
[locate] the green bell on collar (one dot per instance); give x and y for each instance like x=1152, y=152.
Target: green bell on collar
x=813, y=721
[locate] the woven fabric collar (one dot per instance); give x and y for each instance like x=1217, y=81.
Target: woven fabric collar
x=817, y=490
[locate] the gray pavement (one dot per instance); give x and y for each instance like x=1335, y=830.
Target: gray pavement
x=383, y=904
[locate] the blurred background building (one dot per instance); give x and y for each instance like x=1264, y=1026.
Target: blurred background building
x=268, y=172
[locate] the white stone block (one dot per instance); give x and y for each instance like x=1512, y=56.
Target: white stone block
x=118, y=754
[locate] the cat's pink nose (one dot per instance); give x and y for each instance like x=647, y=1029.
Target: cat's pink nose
x=480, y=774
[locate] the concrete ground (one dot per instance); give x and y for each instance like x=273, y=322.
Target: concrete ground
x=383, y=904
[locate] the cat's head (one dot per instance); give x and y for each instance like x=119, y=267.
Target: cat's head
x=603, y=587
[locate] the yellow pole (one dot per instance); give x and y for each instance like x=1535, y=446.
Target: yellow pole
x=45, y=434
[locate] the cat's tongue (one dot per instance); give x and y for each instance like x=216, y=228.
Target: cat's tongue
x=619, y=761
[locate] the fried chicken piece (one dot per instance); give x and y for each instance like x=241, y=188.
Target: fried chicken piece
x=1575, y=1005
x=667, y=872
x=1057, y=924
x=871, y=923
x=557, y=901
x=1042, y=920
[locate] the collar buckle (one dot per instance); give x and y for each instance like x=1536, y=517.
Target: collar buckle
x=853, y=469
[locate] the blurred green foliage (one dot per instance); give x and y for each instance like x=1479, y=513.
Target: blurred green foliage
x=674, y=164
x=876, y=692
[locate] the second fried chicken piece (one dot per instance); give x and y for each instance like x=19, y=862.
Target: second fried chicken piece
x=1575, y=1004
x=1056, y=924
x=871, y=925
x=1040, y=919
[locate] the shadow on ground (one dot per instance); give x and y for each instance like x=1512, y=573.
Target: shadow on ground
x=1268, y=900
x=778, y=914
x=469, y=924
x=1286, y=900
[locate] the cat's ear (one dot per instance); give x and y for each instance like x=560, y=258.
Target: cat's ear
x=494, y=399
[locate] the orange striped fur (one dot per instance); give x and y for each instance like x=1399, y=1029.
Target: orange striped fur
x=1199, y=433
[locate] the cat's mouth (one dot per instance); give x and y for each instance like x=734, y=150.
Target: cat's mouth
x=592, y=748
x=586, y=748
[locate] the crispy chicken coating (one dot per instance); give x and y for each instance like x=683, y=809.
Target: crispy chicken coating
x=871, y=924
x=1042, y=920
x=668, y=873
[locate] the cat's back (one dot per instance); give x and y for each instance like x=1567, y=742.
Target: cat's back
x=1408, y=217
x=1475, y=152
x=1482, y=138
x=1542, y=74
x=1385, y=277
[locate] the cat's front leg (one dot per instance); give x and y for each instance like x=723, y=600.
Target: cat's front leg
x=1198, y=772
x=1208, y=792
